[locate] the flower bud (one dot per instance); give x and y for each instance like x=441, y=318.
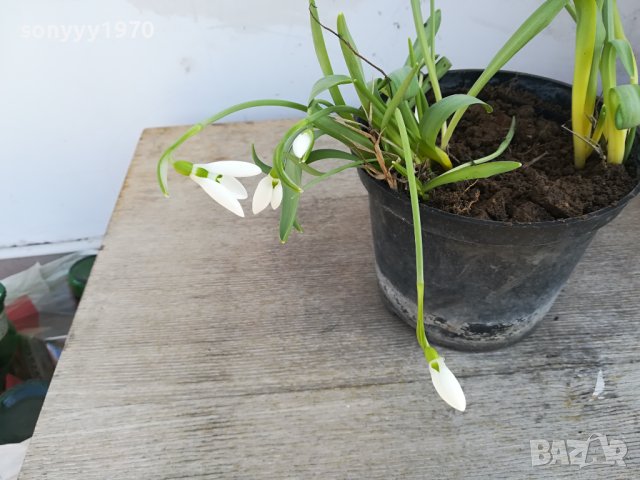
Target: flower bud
x=447, y=385
x=303, y=143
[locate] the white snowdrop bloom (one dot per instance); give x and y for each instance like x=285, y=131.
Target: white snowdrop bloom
x=269, y=191
x=447, y=385
x=303, y=143
x=220, y=180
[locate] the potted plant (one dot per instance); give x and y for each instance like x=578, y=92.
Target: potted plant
x=488, y=281
x=495, y=273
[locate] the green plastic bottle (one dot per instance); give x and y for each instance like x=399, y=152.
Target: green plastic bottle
x=8, y=339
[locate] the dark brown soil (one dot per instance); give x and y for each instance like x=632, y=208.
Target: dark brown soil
x=547, y=187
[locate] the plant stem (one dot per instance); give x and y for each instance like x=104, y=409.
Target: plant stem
x=616, y=139
x=572, y=11
x=432, y=54
x=417, y=230
x=321, y=52
x=427, y=51
x=585, y=47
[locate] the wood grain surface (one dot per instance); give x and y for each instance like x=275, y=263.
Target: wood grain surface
x=205, y=349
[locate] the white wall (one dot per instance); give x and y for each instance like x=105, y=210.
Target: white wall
x=72, y=109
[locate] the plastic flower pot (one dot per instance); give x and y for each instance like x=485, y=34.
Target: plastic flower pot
x=487, y=283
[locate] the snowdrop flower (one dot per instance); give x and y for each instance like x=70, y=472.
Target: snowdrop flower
x=269, y=191
x=303, y=143
x=447, y=385
x=220, y=180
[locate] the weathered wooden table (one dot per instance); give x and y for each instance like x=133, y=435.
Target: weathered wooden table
x=205, y=349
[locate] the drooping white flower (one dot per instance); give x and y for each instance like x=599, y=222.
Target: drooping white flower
x=220, y=180
x=447, y=385
x=303, y=143
x=269, y=191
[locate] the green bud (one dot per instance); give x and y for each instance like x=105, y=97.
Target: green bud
x=201, y=172
x=183, y=168
x=431, y=354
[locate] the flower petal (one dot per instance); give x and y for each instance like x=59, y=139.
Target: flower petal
x=220, y=194
x=232, y=168
x=276, y=197
x=234, y=186
x=262, y=195
x=447, y=385
x=302, y=143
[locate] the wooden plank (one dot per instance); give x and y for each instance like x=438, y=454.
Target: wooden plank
x=205, y=349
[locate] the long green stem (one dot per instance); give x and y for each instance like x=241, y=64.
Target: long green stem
x=165, y=159
x=616, y=139
x=432, y=55
x=585, y=47
x=417, y=230
x=620, y=35
x=321, y=51
x=633, y=77
x=427, y=50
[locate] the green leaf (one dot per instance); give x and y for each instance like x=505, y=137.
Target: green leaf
x=266, y=169
x=425, y=39
x=608, y=16
x=403, y=75
x=325, y=154
x=252, y=104
x=353, y=62
x=345, y=135
x=443, y=65
x=501, y=149
x=536, y=23
x=592, y=83
x=321, y=51
x=419, y=54
x=373, y=95
x=335, y=171
x=410, y=121
x=471, y=172
x=305, y=168
x=631, y=139
x=327, y=83
x=406, y=89
x=625, y=54
x=439, y=112
x=626, y=105
x=290, y=201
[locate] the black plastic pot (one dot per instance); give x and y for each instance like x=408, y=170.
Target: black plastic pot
x=487, y=283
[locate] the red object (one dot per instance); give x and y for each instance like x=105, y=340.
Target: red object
x=23, y=314
x=11, y=381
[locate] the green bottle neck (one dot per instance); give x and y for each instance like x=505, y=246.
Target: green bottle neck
x=3, y=296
